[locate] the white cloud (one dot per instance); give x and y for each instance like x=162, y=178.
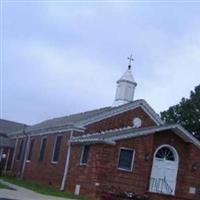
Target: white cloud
x=175, y=75
x=69, y=61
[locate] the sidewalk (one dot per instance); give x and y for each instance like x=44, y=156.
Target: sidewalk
x=20, y=193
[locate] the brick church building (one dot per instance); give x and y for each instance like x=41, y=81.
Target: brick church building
x=124, y=147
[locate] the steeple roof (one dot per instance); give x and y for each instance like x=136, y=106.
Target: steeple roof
x=127, y=76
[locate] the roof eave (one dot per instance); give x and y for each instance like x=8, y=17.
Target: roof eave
x=69, y=127
x=186, y=136
x=88, y=142
x=176, y=128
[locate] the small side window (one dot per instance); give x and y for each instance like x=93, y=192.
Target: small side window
x=21, y=147
x=126, y=158
x=84, y=155
x=42, y=148
x=30, y=150
x=56, y=150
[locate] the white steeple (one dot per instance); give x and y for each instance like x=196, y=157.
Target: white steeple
x=125, y=87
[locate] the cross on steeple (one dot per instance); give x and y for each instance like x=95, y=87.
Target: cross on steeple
x=130, y=58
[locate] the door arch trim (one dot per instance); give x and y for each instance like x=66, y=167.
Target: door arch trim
x=171, y=148
x=174, y=163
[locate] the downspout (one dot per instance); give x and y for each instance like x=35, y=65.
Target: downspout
x=25, y=156
x=62, y=187
x=14, y=154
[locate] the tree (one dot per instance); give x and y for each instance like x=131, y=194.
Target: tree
x=186, y=113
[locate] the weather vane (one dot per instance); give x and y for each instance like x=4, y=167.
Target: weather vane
x=130, y=58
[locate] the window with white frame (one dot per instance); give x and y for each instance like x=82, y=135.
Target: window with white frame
x=20, y=151
x=42, y=148
x=56, y=150
x=84, y=155
x=30, y=150
x=126, y=158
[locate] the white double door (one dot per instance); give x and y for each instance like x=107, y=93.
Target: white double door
x=163, y=176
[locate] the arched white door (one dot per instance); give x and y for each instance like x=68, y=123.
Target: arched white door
x=164, y=170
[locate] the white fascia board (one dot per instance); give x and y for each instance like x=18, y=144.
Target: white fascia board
x=188, y=136
x=151, y=112
x=183, y=133
x=143, y=132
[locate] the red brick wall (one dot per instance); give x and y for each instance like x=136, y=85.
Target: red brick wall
x=9, y=152
x=185, y=178
x=52, y=173
x=17, y=163
x=121, y=120
x=85, y=175
x=118, y=121
x=103, y=160
x=45, y=171
x=102, y=168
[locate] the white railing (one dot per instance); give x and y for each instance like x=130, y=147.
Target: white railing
x=160, y=185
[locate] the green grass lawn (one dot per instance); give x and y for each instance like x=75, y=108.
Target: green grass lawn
x=42, y=189
x=3, y=186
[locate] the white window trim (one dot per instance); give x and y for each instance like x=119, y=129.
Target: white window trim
x=54, y=146
x=21, y=150
x=41, y=142
x=83, y=149
x=171, y=148
x=132, y=162
x=28, y=161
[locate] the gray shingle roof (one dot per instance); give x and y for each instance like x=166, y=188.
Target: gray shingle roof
x=8, y=127
x=67, y=120
x=6, y=142
x=80, y=120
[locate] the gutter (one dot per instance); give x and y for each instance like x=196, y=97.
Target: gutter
x=93, y=141
x=62, y=187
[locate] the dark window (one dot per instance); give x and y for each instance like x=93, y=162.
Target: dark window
x=126, y=159
x=30, y=149
x=42, y=148
x=57, y=148
x=85, y=153
x=165, y=153
x=19, y=156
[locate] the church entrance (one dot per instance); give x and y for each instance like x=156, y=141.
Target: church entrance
x=164, y=170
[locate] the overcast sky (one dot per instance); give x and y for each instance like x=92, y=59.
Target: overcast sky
x=59, y=58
